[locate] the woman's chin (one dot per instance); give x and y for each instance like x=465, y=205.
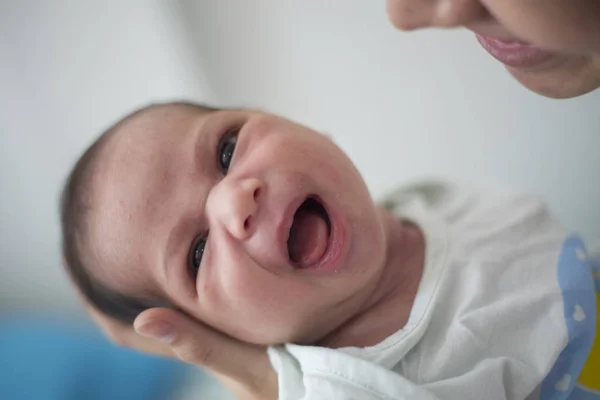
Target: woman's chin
x=574, y=77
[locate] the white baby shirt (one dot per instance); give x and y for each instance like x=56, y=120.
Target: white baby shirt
x=491, y=316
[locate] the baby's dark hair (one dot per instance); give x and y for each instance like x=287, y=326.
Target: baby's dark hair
x=75, y=209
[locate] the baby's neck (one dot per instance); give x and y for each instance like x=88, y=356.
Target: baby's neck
x=388, y=308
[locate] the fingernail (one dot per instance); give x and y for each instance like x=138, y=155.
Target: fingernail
x=157, y=330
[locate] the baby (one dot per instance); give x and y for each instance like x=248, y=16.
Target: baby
x=265, y=230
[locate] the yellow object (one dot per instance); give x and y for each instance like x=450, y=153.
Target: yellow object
x=590, y=375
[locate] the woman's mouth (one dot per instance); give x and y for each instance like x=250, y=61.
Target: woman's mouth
x=515, y=53
x=309, y=235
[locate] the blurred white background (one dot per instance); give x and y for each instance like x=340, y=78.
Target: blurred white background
x=402, y=105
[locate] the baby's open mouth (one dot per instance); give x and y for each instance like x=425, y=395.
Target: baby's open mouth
x=309, y=235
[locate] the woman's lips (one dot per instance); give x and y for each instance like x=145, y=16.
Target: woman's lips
x=514, y=53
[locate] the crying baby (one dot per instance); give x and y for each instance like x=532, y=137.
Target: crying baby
x=265, y=230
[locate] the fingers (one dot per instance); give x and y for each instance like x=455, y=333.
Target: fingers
x=129, y=338
x=124, y=335
x=238, y=364
x=244, y=368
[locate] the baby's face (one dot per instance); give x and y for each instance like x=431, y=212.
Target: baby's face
x=257, y=226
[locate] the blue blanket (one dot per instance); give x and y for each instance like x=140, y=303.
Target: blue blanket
x=46, y=358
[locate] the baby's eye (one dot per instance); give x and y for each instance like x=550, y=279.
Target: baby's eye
x=226, y=149
x=196, y=253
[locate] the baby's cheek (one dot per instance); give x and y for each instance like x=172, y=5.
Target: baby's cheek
x=253, y=304
x=276, y=303
x=270, y=293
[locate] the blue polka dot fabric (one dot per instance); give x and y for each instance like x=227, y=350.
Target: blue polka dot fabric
x=577, y=281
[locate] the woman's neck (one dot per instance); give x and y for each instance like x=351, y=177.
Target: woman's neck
x=388, y=308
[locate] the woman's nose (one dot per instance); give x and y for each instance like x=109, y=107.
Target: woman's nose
x=415, y=14
x=234, y=203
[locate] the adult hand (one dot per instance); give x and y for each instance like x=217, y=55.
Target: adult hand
x=243, y=368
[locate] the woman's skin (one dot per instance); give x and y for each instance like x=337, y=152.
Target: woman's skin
x=243, y=368
x=569, y=66
x=550, y=46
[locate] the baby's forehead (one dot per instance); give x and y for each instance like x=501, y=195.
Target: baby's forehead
x=150, y=126
x=145, y=144
x=130, y=190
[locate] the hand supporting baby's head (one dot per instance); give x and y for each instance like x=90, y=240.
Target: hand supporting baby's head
x=260, y=227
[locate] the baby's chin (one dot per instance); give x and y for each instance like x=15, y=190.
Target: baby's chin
x=277, y=338
x=284, y=332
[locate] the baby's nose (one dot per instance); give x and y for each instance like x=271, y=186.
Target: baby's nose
x=414, y=14
x=235, y=202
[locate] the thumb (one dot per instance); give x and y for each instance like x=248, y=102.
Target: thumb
x=241, y=366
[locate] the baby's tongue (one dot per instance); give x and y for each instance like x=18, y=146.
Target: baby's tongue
x=308, y=237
